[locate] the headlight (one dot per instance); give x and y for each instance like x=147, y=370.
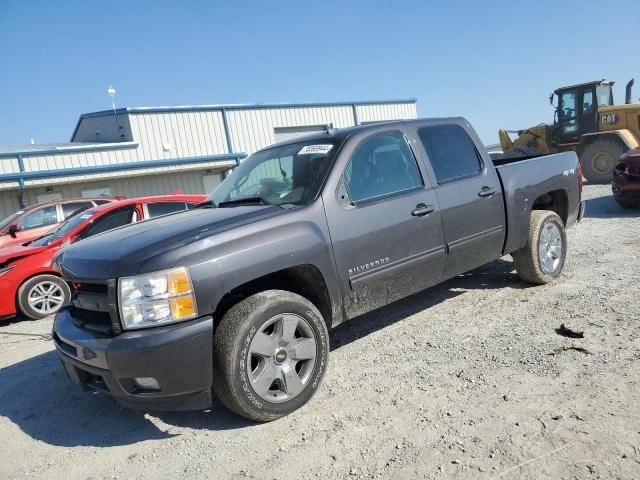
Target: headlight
x=156, y=299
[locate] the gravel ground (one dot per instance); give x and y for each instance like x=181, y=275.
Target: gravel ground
x=468, y=380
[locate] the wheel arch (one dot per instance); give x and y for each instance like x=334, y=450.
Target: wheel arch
x=623, y=136
x=556, y=201
x=305, y=280
x=31, y=276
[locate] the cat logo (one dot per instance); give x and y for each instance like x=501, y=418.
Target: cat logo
x=609, y=118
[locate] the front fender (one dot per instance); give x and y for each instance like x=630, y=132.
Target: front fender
x=229, y=259
x=624, y=135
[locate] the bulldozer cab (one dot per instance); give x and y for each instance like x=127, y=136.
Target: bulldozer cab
x=577, y=109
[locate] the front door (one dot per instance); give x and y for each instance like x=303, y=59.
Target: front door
x=470, y=198
x=384, y=223
x=568, y=127
x=588, y=120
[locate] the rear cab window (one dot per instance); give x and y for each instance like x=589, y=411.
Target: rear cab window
x=452, y=153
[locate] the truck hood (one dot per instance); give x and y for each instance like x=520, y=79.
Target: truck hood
x=122, y=251
x=17, y=252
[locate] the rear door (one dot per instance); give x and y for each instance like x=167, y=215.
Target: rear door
x=469, y=194
x=384, y=222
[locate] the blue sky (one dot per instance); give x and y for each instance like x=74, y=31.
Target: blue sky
x=493, y=62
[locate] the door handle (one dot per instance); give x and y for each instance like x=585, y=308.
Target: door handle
x=486, y=191
x=422, y=209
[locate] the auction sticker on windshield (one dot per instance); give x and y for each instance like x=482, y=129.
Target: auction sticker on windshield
x=309, y=149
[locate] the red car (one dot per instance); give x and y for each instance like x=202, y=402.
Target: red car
x=33, y=222
x=626, y=179
x=28, y=283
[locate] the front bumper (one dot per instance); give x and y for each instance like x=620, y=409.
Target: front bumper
x=8, y=287
x=178, y=356
x=625, y=187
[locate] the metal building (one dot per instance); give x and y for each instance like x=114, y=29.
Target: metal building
x=157, y=150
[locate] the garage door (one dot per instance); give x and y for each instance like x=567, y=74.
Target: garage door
x=287, y=133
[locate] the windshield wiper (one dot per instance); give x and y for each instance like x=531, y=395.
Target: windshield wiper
x=255, y=200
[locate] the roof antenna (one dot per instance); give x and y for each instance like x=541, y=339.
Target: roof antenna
x=328, y=127
x=112, y=93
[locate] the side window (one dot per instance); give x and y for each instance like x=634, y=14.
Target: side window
x=69, y=208
x=381, y=165
x=109, y=221
x=451, y=152
x=39, y=218
x=588, y=105
x=156, y=209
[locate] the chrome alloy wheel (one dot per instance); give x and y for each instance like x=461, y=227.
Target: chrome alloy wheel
x=46, y=297
x=281, y=357
x=550, y=248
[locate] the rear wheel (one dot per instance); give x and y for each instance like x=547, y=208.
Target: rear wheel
x=270, y=355
x=599, y=159
x=42, y=296
x=542, y=259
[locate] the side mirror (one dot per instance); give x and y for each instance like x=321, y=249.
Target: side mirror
x=13, y=229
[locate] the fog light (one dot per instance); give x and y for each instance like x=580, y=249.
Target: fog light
x=147, y=383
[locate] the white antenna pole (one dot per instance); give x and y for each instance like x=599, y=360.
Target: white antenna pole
x=112, y=93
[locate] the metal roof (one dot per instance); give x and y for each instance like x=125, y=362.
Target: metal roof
x=48, y=148
x=37, y=146
x=242, y=106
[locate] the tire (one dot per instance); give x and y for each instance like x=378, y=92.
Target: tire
x=599, y=159
x=251, y=374
x=627, y=204
x=42, y=296
x=546, y=232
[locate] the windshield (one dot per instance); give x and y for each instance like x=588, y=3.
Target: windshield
x=290, y=174
x=10, y=219
x=62, y=230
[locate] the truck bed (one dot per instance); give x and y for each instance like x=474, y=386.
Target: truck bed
x=526, y=180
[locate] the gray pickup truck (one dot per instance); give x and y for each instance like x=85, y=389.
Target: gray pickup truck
x=235, y=298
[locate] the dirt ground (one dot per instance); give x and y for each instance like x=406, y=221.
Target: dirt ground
x=466, y=380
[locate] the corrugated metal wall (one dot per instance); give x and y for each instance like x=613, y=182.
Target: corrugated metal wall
x=376, y=113
x=187, y=182
x=179, y=134
x=253, y=129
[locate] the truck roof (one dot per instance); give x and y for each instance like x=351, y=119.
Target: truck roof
x=585, y=84
x=344, y=133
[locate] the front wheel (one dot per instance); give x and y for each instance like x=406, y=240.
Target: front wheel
x=542, y=259
x=42, y=296
x=270, y=355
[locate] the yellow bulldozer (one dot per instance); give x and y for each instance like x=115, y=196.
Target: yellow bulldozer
x=587, y=121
